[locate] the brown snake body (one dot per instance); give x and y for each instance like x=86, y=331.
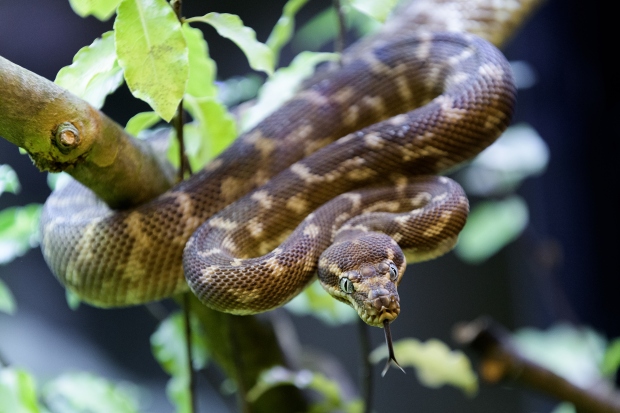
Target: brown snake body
x=355, y=128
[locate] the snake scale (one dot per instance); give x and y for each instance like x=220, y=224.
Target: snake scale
x=338, y=181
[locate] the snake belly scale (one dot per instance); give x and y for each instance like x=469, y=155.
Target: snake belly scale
x=248, y=232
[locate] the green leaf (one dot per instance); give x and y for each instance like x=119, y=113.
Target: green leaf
x=435, y=364
x=230, y=26
x=19, y=231
x=305, y=379
x=94, y=73
x=169, y=348
x=73, y=300
x=140, y=122
x=7, y=302
x=101, y=9
x=84, y=392
x=611, y=360
x=315, y=301
x=8, y=180
x=153, y=53
x=58, y=180
x=564, y=407
x=319, y=30
x=282, y=86
x=323, y=28
x=212, y=130
x=491, y=226
x=282, y=32
x=377, y=9
x=202, y=69
x=17, y=392
x=575, y=353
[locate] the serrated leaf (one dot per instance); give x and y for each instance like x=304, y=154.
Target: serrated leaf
x=305, y=379
x=230, y=26
x=8, y=180
x=152, y=51
x=7, y=301
x=315, y=301
x=435, y=364
x=491, y=226
x=202, y=69
x=377, y=9
x=141, y=121
x=284, y=28
x=212, y=130
x=94, y=73
x=282, y=86
x=101, y=9
x=19, y=231
x=168, y=346
x=17, y=392
x=85, y=392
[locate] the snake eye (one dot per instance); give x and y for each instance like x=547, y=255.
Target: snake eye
x=393, y=272
x=346, y=285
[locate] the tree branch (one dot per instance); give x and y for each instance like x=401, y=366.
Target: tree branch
x=501, y=361
x=62, y=132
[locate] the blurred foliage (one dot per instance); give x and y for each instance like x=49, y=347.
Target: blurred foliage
x=169, y=347
x=185, y=71
x=434, y=362
x=330, y=391
x=68, y=393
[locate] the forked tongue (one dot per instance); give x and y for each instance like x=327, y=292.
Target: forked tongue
x=388, y=341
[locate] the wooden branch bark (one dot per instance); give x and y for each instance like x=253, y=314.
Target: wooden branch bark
x=501, y=361
x=62, y=132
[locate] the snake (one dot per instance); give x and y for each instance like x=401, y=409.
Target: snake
x=346, y=181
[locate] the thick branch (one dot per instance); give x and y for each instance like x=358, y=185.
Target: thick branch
x=61, y=132
x=501, y=361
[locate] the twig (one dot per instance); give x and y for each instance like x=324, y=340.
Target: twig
x=339, y=41
x=365, y=366
x=3, y=361
x=183, y=168
x=187, y=326
x=236, y=357
x=501, y=361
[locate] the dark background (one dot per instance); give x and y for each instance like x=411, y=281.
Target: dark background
x=561, y=268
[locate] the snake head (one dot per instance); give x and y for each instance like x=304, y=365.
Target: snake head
x=364, y=271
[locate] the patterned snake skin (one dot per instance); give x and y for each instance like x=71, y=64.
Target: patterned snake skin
x=348, y=162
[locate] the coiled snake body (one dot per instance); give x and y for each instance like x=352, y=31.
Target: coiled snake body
x=345, y=162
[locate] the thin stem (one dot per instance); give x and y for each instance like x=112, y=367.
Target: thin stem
x=237, y=365
x=339, y=41
x=188, y=346
x=3, y=361
x=365, y=366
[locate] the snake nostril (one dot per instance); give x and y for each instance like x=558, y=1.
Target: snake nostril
x=382, y=302
x=378, y=292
